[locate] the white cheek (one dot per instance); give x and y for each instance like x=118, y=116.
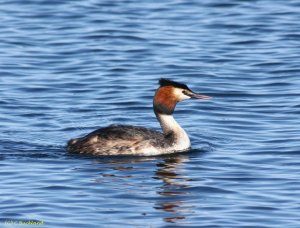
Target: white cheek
x=179, y=94
x=184, y=97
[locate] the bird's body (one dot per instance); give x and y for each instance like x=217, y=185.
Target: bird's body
x=140, y=141
x=122, y=140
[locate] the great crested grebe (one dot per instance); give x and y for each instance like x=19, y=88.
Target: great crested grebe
x=133, y=140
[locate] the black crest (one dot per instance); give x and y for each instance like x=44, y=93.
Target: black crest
x=167, y=82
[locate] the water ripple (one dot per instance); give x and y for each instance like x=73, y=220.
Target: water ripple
x=68, y=67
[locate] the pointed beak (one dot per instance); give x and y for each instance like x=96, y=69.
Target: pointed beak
x=197, y=95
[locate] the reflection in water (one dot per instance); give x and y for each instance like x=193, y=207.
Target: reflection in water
x=171, y=193
x=173, y=188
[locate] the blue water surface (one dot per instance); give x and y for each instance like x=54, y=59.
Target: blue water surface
x=69, y=67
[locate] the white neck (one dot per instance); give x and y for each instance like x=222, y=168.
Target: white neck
x=168, y=125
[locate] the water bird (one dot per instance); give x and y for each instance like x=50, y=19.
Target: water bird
x=141, y=141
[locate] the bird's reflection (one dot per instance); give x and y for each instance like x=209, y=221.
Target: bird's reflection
x=173, y=189
x=169, y=170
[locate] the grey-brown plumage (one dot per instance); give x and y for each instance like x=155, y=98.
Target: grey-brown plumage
x=132, y=140
x=119, y=140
